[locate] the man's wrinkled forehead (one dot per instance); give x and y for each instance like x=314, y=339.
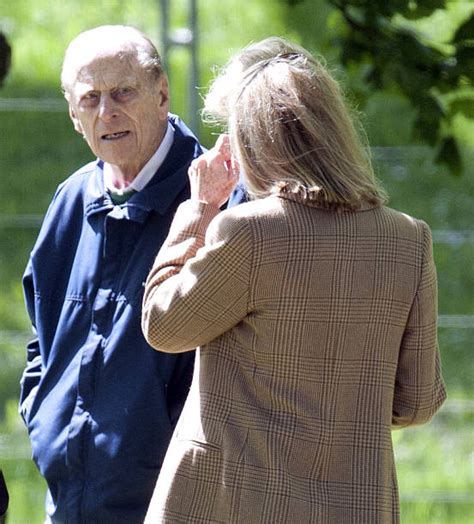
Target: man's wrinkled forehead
x=120, y=57
x=86, y=51
x=120, y=65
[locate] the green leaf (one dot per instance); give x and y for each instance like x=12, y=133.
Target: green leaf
x=465, y=31
x=449, y=72
x=465, y=59
x=449, y=155
x=353, y=50
x=384, y=8
x=414, y=49
x=463, y=104
x=430, y=115
x=431, y=4
x=422, y=8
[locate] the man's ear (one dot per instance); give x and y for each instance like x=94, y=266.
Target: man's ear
x=164, y=97
x=75, y=121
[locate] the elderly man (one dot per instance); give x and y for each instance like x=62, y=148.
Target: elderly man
x=99, y=403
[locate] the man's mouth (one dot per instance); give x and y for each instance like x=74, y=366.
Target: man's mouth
x=115, y=136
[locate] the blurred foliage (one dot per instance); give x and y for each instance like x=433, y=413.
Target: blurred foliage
x=39, y=149
x=385, y=38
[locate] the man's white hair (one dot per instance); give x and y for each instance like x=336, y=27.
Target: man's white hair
x=117, y=40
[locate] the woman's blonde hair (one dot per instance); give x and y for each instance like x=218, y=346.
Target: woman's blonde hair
x=291, y=129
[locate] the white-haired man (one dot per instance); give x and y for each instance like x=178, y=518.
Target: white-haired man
x=100, y=405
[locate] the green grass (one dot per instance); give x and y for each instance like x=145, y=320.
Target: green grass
x=27, y=491
x=433, y=462
x=26, y=487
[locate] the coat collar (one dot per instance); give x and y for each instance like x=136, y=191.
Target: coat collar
x=159, y=194
x=309, y=197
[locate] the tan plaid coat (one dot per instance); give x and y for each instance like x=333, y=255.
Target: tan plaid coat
x=317, y=335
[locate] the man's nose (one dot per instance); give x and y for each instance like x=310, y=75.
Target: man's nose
x=107, y=108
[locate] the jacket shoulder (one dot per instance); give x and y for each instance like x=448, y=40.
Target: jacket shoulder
x=77, y=180
x=246, y=214
x=70, y=193
x=405, y=223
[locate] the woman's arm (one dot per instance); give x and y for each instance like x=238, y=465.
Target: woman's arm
x=198, y=286
x=194, y=294
x=419, y=387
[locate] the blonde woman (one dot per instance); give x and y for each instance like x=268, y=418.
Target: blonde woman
x=313, y=306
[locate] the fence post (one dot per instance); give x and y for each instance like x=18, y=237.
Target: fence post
x=187, y=38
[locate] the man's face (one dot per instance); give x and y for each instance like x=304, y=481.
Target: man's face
x=120, y=109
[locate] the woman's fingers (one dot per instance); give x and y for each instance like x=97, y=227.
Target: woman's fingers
x=214, y=174
x=223, y=146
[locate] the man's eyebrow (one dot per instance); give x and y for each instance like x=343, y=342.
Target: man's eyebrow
x=121, y=85
x=83, y=92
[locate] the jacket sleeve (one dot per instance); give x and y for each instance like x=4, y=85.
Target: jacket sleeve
x=178, y=387
x=419, y=386
x=34, y=361
x=32, y=374
x=198, y=287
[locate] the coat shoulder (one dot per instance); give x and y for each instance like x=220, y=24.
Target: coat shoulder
x=76, y=181
x=403, y=221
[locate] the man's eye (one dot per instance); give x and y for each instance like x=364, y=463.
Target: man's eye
x=90, y=98
x=123, y=93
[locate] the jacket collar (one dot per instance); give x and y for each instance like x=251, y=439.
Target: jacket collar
x=159, y=194
x=309, y=197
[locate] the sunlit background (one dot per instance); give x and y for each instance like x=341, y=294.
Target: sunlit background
x=419, y=118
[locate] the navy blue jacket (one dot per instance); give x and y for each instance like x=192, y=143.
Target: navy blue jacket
x=100, y=405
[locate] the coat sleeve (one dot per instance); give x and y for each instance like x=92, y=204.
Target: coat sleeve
x=419, y=386
x=32, y=374
x=198, y=287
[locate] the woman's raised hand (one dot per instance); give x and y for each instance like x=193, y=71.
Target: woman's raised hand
x=214, y=174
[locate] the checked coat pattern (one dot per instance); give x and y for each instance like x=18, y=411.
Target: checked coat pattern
x=317, y=335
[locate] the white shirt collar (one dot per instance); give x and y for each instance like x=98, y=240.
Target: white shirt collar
x=148, y=170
